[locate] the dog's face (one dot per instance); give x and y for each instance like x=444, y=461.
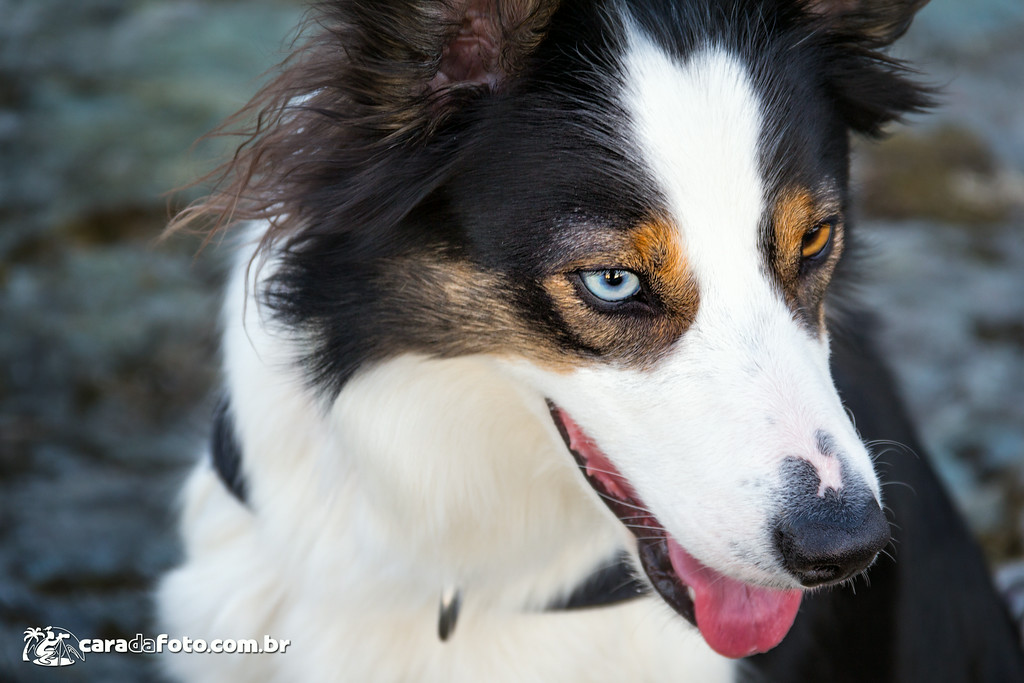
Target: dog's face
x=684, y=353
x=637, y=211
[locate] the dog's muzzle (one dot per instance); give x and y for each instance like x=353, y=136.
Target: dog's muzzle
x=736, y=619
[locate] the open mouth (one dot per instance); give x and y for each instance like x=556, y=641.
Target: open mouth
x=736, y=619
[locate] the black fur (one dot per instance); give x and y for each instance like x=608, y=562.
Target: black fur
x=608, y=585
x=226, y=454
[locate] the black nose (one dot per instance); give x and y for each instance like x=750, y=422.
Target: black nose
x=831, y=539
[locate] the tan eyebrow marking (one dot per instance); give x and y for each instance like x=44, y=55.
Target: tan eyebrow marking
x=794, y=215
x=796, y=211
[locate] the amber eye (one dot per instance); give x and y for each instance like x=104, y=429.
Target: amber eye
x=817, y=240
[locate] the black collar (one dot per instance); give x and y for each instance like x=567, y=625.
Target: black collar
x=608, y=585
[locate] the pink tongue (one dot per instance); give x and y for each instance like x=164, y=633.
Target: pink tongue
x=735, y=618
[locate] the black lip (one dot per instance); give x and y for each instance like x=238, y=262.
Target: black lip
x=657, y=566
x=652, y=543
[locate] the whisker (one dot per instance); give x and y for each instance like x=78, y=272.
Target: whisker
x=590, y=469
x=899, y=483
x=644, y=527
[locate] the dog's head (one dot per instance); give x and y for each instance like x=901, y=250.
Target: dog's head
x=637, y=208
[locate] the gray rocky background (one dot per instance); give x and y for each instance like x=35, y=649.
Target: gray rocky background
x=107, y=337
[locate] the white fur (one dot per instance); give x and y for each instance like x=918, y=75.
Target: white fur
x=424, y=473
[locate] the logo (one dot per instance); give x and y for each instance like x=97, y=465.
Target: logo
x=51, y=646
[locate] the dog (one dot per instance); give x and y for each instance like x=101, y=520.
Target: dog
x=531, y=355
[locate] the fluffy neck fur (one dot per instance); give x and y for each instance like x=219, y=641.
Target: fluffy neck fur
x=407, y=450
x=358, y=511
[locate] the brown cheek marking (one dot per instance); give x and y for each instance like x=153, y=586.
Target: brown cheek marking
x=795, y=212
x=638, y=338
x=447, y=308
x=662, y=258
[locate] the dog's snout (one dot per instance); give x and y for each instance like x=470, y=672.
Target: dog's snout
x=831, y=540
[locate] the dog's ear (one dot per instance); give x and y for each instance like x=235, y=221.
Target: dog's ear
x=347, y=126
x=870, y=88
x=880, y=21
x=410, y=61
x=492, y=39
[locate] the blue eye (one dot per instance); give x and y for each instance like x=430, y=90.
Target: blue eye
x=612, y=285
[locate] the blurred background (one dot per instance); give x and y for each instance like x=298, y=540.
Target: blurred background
x=108, y=338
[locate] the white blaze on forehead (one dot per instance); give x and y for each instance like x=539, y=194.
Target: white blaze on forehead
x=703, y=437
x=698, y=124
